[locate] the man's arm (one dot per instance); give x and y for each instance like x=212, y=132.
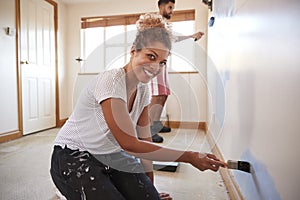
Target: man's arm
x=196, y=37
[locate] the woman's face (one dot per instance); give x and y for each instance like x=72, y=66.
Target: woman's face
x=148, y=62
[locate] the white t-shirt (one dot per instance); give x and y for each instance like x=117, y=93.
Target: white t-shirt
x=86, y=129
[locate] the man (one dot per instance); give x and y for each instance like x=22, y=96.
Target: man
x=160, y=85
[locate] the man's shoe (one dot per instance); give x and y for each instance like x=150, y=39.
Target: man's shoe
x=157, y=139
x=165, y=129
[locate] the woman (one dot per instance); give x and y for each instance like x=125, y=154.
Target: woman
x=104, y=150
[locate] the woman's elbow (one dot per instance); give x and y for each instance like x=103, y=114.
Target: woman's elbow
x=130, y=146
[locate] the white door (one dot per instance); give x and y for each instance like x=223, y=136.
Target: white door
x=37, y=65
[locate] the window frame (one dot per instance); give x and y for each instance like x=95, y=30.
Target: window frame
x=124, y=20
x=114, y=20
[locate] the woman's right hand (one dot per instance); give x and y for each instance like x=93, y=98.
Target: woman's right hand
x=206, y=161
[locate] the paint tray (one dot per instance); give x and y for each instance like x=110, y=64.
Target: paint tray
x=165, y=166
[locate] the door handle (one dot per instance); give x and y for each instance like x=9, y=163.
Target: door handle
x=24, y=62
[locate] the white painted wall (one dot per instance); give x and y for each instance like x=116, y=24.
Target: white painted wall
x=8, y=73
x=76, y=12
x=254, y=46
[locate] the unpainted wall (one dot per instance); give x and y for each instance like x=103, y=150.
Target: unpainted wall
x=254, y=79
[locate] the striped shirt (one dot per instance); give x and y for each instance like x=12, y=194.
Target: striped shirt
x=160, y=84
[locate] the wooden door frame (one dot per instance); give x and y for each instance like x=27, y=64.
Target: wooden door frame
x=19, y=132
x=59, y=122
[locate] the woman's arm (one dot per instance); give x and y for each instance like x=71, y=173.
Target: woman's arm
x=143, y=133
x=119, y=122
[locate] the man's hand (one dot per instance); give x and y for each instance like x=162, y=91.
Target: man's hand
x=197, y=35
x=165, y=196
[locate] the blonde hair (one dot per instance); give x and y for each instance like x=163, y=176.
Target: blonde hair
x=152, y=27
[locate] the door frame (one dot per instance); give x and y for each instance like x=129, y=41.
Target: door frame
x=18, y=28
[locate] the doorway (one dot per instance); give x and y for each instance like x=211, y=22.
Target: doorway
x=38, y=65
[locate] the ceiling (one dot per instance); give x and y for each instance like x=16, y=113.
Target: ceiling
x=85, y=1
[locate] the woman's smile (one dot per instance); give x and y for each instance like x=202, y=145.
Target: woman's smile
x=150, y=73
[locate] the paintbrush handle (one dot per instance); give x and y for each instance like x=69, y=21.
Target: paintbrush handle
x=239, y=165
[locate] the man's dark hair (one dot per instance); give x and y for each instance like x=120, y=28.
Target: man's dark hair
x=160, y=2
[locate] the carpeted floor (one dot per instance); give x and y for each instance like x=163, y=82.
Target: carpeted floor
x=24, y=169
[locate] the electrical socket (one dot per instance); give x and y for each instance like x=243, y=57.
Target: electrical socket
x=213, y=117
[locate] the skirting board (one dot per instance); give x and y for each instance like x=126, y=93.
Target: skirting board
x=61, y=122
x=186, y=125
x=172, y=124
x=5, y=137
x=233, y=189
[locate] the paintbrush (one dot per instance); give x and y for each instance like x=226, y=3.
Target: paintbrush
x=239, y=165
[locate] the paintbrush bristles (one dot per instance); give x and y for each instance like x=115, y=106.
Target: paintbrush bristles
x=244, y=166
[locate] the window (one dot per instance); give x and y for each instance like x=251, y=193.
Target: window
x=106, y=41
x=182, y=57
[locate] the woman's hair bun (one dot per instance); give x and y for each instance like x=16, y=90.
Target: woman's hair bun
x=152, y=20
x=152, y=27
